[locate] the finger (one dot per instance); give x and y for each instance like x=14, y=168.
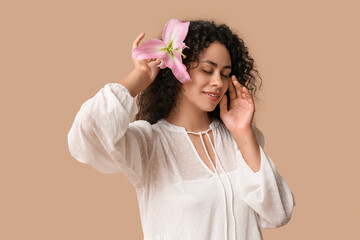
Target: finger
x=137, y=40
x=232, y=90
x=155, y=63
x=149, y=60
x=223, y=105
x=246, y=92
x=238, y=87
x=154, y=68
x=249, y=97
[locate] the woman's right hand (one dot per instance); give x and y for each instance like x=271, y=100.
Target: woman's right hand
x=148, y=67
x=144, y=73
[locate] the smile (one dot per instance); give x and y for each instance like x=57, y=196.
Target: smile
x=212, y=96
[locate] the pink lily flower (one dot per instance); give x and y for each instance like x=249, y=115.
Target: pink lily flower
x=168, y=50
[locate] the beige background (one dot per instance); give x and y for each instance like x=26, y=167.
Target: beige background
x=54, y=55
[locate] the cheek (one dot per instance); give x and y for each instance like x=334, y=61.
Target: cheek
x=188, y=91
x=186, y=87
x=226, y=86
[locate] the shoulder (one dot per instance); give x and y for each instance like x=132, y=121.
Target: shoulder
x=145, y=127
x=142, y=128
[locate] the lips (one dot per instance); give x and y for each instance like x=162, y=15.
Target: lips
x=212, y=95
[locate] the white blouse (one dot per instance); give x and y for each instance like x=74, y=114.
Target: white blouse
x=179, y=196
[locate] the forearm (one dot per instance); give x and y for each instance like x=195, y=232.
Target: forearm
x=249, y=147
x=135, y=82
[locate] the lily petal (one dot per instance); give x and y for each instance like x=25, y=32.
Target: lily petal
x=177, y=67
x=149, y=49
x=175, y=31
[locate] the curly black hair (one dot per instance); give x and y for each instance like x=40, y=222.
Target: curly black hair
x=160, y=97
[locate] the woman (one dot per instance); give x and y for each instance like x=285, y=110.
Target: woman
x=193, y=154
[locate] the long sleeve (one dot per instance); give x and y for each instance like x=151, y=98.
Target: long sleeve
x=103, y=136
x=265, y=191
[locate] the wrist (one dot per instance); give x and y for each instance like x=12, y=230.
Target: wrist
x=243, y=130
x=243, y=133
x=133, y=82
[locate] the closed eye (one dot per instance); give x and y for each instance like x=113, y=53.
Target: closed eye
x=212, y=72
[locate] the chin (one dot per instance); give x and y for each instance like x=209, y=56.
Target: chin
x=210, y=109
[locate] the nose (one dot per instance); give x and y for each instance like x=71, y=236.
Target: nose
x=217, y=80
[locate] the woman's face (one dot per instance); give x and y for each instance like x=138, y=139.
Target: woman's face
x=209, y=80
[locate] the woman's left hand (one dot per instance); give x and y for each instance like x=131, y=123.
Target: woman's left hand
x=240, y=115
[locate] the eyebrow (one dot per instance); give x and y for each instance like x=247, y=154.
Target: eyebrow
x=214, y=64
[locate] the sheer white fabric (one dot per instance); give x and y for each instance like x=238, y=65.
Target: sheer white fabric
x=179, y=196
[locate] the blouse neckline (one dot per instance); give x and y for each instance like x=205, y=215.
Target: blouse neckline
x=213, y=125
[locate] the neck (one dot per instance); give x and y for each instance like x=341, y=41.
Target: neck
x=191, y=119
